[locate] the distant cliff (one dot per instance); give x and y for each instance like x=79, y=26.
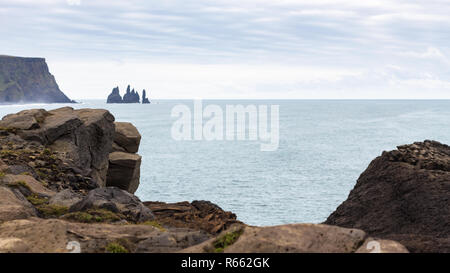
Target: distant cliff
x=28, y=80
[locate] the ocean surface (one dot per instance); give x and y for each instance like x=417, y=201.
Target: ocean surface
x=324, y=146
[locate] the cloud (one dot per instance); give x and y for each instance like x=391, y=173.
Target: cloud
x=74, y=2
x=365, y=37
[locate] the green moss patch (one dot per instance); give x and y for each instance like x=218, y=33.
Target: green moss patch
x=116, y=248
x=36, y=200
x=52, y=210
x=226, y=240
x=154, y=224
x=94, y=216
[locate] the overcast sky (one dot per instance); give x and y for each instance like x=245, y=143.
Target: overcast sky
x=237, y=48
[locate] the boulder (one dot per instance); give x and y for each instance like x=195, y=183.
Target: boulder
x=124, y=171
x=403, y=195
x=201, y=215
x=117, y=201
x=293, y=238
x=127, y=136
x=13, y=205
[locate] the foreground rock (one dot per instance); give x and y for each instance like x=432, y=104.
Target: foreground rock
x=124, y=164
x=57, y=168
x=57, y=236
x=64, y=145
x=294, y=238
x=404, y=196
x=201, y=215
x=124, y=171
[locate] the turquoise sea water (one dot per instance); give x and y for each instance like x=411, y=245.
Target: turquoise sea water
x=324, y=147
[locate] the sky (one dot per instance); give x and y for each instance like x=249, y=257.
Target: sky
x=299, y=49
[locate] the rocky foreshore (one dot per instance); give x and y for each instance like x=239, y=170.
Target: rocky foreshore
x=67, y=179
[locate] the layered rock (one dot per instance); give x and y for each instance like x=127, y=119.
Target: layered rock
x=28, y=80
x=124, y=171
x=202, y=215
x=82, y=138
x=403, y=195
x=124, y=164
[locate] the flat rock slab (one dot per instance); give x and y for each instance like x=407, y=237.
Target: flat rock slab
x=293, y=238
x=14, y=206
x=36, y=235
x=34, y=185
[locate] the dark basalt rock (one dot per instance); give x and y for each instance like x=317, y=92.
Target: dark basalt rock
x=114, y=97
x=144, y=97
x=131, y=97
x=403, y=195
x=28, y=80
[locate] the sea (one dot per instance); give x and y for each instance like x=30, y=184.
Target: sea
x=323, y=147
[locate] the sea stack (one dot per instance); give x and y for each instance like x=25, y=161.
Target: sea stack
x=130, y=96
x=144, y=97
x=114, y=97
x=28, y=80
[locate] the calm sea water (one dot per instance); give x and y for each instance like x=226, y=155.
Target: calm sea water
x=324, y=147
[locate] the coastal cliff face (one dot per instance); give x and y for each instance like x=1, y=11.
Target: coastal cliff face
x=69, y=175
x=28, y=80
